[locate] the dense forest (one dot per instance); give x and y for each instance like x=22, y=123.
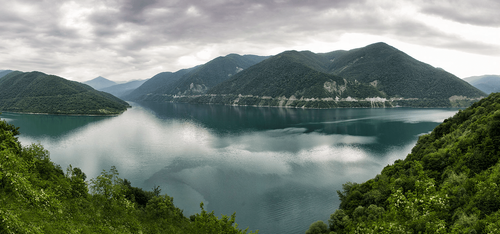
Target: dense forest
x=377, y=71
x=38, y=196
x=36, y=92
x=447, y=184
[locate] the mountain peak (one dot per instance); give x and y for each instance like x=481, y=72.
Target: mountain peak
x=100, y=83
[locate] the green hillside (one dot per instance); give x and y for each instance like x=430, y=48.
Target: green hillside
x=208, y=75
x=36, y=92
x=447, y=184
x=4, y=72
x=38, y=196
x=291, y=75
x=399, y=75
x=379, y=72
x=156, y=82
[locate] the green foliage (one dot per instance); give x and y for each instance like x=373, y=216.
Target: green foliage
x=399, y=75
x=36, y=92
x=36, y=196
x=205, y=222
x=447, y=184
x=377, y=70
x=317, y=227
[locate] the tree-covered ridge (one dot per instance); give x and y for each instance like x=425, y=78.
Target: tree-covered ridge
x=157, y=82
x=36, y=92
x=447, y=184
x=398, y=74
x=296, y=74
x=37, y=196
x=379, y=72
x=210, y=74
x=193, y=81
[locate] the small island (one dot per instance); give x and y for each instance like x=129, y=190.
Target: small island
x=37, y=92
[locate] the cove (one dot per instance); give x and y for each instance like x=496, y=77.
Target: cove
x=277, y=168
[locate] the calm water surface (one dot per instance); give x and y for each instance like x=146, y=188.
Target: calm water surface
x=278, y=169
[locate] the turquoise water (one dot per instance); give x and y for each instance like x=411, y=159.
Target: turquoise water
x=278, y=169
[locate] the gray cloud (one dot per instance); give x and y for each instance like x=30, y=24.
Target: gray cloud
x=95, y=37
x=477, y=12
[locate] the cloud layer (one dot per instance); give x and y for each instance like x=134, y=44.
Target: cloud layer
x=128, y=39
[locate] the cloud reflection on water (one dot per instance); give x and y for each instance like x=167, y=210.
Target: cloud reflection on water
x=281, y=167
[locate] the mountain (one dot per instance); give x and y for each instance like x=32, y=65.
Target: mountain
x=100, y=83
x=210, y=74
x=447, y=184
x=295, y=79
x=398, y=74
x=399, y=80
x=121, y=90
x=155, y=82
x=36, y=92
x=196, y=80
x=377, y=75
x=487, y=83
x=4, y=72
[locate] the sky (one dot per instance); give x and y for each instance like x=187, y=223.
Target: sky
x=125, y=40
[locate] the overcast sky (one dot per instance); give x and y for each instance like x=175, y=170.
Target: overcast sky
x=136, y=39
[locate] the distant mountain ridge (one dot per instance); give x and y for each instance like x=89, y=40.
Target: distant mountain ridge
x=194, y=81
x=487, y=83
x=100, y=83
x=121, y=90
x=372, y=76
x=36, y=92
x=4, y=72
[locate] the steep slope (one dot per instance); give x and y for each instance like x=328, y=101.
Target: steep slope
x=210, y=74
x=399, y=75
x=155, y=82
x=447, y=184
x=37, y=92
x=121, y=90
x=292, y=79
x=4, y=72
x=487, y=83
x=100, y=83
x=289, y=74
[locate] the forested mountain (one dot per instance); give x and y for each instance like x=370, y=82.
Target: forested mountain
x=396, y=79
x=487, y=83
x=295, y=76
x=399, y=75
x=447, y=184
x=4, y=72
x=100, y=83
x=38, y=196
x=206, y=76
x=194, y=81
x=36, y=92
x=121, y=90
x=154, y=83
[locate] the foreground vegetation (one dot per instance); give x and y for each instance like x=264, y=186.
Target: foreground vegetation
x=447, y=184
x=37, y=196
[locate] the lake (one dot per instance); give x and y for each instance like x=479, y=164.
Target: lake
x=278, y=169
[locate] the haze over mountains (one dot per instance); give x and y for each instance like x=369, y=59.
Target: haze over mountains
x=375, y=75
x=4, y=72
x=117, y=89
x=487, y=83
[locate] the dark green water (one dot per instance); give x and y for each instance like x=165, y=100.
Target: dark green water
x=278, y=169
